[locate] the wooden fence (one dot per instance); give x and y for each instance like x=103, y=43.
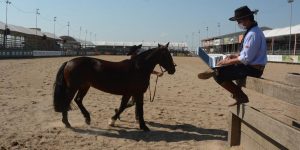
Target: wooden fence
x=251, y=128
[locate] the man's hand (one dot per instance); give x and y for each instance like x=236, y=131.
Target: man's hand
x=231, y=56
x=160, y=74
x=229, y=60
x=223, y=62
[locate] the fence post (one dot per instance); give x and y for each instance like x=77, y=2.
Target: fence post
x=234, y=134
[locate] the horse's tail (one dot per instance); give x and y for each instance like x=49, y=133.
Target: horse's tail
x=60, y=101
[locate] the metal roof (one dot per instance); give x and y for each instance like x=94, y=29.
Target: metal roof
x=282, y=31
x=81, y=42
x=28, y=31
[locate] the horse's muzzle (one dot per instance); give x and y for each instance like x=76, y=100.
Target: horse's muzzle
x=172, y=71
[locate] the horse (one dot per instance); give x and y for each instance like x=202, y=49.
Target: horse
x=129, y=77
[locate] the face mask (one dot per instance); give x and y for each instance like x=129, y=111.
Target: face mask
x=241, y=26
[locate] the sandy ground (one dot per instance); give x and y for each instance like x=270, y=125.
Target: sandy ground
x=187, y=113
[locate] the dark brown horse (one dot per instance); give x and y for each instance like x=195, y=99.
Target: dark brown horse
x=128, y=78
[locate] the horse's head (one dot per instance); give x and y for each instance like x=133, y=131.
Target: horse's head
x=149, y=58
x=164, y=58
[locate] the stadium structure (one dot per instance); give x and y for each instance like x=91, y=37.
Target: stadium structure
x=280, y=41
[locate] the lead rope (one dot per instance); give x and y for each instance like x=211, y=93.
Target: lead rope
x=152, y=98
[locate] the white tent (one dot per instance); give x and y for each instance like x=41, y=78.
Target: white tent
x=145, y=44
x=282, y=31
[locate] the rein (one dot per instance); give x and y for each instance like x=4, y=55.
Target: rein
x=162, y=71
x=152, y=98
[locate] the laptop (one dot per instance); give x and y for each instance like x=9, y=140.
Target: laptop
x=210, y=59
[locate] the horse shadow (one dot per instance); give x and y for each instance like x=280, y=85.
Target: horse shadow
x=177, y=133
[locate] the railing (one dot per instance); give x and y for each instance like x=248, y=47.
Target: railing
x=252, y=127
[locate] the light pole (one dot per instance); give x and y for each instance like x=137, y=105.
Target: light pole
x=54, y=19
x=79, y=33
x=68, y=27
x=192, y=41
x=36, y=37
x=91, y=36
x=36, y=15
x=207, y=32
x=7, y=2
x=85, y=38
x=199, y=38
x=6, y=29
x=219, y=25
x=290, y=38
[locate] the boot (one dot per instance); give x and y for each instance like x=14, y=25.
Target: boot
x=206, y=75
x=236, y=92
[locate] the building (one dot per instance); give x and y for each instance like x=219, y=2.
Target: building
x=21, y=38
x=71, y=43
x=278, y=41
x=224, y=44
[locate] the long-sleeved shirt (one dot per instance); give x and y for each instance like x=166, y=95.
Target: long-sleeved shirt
x=254, y=51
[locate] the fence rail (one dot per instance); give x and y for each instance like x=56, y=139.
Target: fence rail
x=252, y=128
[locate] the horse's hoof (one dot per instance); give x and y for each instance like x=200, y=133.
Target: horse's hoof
x=145, y=129
x=88, y=121
x=137, y=121
x=111, y=122
x=116, y=111
x=68, y=125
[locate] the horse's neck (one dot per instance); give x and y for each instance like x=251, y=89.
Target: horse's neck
x=149, y=65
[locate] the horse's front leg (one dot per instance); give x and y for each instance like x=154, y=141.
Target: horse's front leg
x=65, y=119
x=122, y=107
x=139, y=99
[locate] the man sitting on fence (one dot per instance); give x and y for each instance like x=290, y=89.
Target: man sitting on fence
x=250, y=61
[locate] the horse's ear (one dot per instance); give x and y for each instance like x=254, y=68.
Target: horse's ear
x=167, y=45
x=159, y=45
x=139, y=46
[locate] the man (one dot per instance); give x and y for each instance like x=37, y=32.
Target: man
x=133, y=52
x=136, y=50
x=250, y=61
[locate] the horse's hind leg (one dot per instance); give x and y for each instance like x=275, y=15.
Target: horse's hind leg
x=69, y=96
x=136, y=113
x=130, y=103
x=78, y=99
x=122, y=107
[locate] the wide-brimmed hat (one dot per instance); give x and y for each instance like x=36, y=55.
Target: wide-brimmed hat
x=242, y=12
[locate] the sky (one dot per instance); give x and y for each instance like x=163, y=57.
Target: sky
x=144, y=20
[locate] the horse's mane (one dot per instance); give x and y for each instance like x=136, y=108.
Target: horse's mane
x=140, y=59
x=144, y=54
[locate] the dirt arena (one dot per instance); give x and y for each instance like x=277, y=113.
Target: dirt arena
x=187, y=113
